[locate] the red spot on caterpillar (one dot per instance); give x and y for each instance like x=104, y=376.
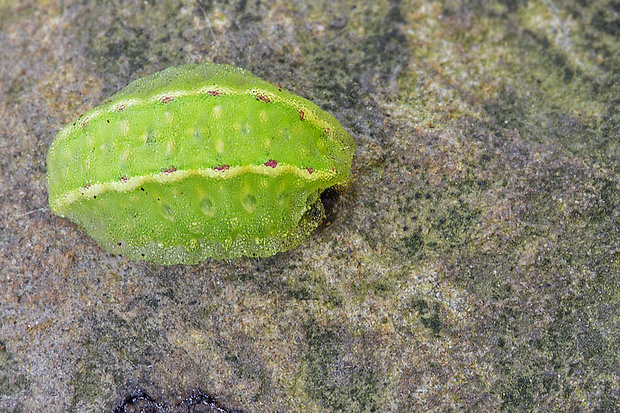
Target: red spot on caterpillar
x=85, y=123
x=272, y=163
x=167, y=99
x=170, y=170
x=120, y=108
x=222, y=168
x=213, y=92
x=327, y=131
x=309, y=168
x=263, y=98
x=124, y=179
x=302, y=115
x=86, y=187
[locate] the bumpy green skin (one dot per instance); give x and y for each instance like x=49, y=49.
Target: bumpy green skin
x=198, y=161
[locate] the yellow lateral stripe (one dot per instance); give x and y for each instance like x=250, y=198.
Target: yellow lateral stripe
x=112, y=107
x=63, y=201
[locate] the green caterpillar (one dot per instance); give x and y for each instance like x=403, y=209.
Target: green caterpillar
x=198, y=161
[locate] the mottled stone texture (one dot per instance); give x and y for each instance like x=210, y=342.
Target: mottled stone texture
x=472, y=266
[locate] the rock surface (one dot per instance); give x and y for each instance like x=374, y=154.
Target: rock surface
x=472, y=266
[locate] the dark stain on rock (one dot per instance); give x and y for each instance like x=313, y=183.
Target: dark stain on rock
x=196, y=401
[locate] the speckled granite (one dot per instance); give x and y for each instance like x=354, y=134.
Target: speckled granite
x=472, y=266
